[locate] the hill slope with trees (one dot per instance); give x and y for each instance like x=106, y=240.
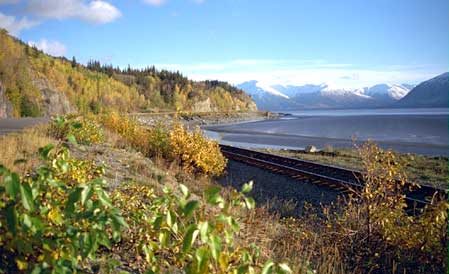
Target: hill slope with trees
x=33, y=83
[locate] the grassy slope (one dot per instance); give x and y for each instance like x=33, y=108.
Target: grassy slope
x=419, y=168
x=126, y=166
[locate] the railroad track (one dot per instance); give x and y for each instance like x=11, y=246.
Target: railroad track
x=340, y=179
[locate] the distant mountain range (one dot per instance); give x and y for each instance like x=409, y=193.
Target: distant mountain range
x=431, y=93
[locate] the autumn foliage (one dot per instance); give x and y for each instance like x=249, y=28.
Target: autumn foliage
x=192, y=150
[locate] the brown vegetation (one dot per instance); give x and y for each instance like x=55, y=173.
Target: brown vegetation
x=371, y=232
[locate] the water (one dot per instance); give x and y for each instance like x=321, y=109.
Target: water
x=423, y=131
x=365, y=112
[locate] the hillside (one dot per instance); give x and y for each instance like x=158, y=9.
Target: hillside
x=430, y=93
x=33, y=83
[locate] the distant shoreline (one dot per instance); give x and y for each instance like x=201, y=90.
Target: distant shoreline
x=421, y=134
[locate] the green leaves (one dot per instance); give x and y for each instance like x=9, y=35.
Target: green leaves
x=247, y=188
x=11, y=218
x=74, y=197
x=103, y=197
x=12, y=185
x=86, y=193
x=71, y=138
x=52, y=220
x=189, y=238
x=44, y=152
x=27, y=197
x=190, y=207
x=213, y=197
x=185, y=191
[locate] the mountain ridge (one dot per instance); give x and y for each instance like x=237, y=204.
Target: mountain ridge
x=430, y=93
x=324, y=96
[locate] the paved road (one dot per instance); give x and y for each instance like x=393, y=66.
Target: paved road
x=13, y=124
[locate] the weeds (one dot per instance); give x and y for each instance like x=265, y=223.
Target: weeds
x=82, y=129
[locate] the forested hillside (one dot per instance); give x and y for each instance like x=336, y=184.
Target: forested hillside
x=33, y=83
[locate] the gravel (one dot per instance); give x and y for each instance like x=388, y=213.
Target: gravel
x=280, y=193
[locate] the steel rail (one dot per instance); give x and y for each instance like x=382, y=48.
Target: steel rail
x=337, y=178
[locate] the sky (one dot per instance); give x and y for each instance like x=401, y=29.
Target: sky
x=349, y=44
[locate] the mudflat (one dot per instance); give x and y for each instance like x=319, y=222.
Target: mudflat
x=423, y=134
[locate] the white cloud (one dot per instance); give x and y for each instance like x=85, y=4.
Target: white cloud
x=54, y=48
x=335, y=78
x=155, y=2
x=13, y=25
x=272, y=72
x=96, y=11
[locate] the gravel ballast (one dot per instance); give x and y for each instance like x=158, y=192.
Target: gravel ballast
x=281, y=193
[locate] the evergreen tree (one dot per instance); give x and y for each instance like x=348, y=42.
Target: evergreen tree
x=74, y=62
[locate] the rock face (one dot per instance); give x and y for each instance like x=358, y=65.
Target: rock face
x=203, y=106
x=55, y=103
x=252, y=106
x=6, y=110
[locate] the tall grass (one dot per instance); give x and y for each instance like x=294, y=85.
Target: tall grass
x=18, y=150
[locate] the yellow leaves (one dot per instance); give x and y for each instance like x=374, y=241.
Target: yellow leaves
x=21, y=264
x=195, y=151
x=54, y=215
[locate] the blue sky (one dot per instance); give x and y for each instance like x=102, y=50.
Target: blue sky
x=351, y=43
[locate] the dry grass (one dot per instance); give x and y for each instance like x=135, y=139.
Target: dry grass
x=23, y=145
x=419, y=168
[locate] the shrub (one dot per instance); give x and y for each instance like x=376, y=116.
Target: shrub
x=174, y=232
x=195, y=151
x=192, y=149
x=129, y=129
x=385, y=235
x=55, y=219
x=83, y=129
x=374, y=230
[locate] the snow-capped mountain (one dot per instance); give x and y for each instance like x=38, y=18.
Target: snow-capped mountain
x=267, y=99
x=395, y=92
x=280, y=97
x=256, y=88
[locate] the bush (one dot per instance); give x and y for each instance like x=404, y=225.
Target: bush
x=174, y=232
x=195, y=151
x=385, y=235
x=192, y=149
x=374, y=230
x=82, y=129
x=56, y=218
x=129, y=129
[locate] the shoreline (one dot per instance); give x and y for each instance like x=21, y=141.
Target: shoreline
x=397, y=134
